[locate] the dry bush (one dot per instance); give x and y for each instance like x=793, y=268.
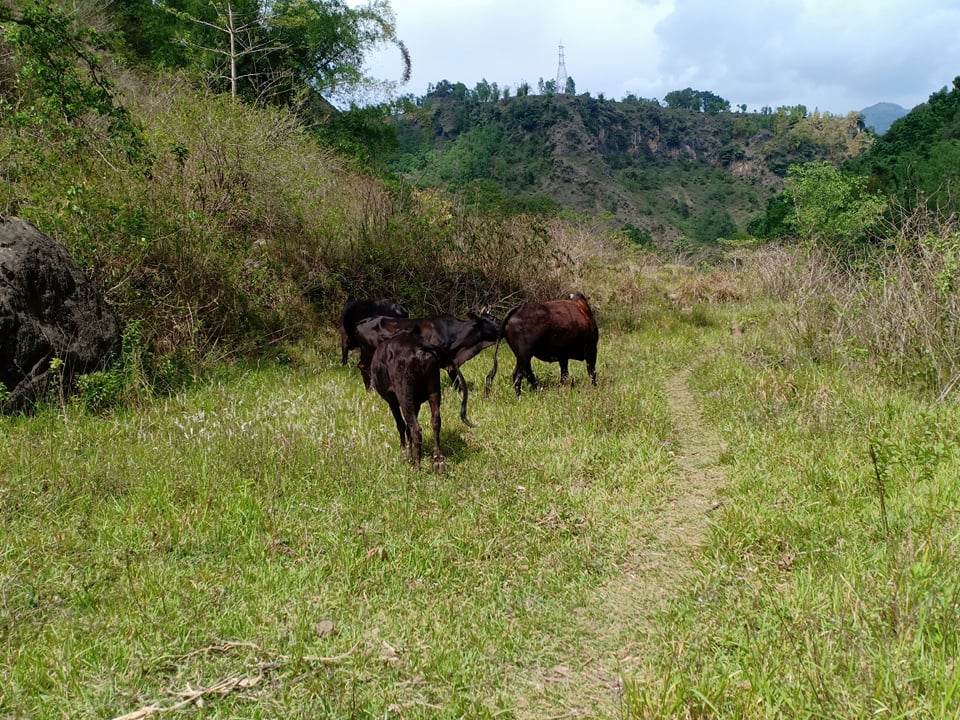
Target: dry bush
x=719, y=285
x=899, y=311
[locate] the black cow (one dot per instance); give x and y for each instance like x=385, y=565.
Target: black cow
x=405, y=371
x=356, y=311
x=462, y=339
x=553, y=331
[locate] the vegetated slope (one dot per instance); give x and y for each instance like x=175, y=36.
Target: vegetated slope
x=917, y=159
x=659, y=173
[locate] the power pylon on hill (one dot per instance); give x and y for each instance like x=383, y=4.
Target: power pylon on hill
x=561, y=73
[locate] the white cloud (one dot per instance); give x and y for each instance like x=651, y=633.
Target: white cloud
x=820, y=53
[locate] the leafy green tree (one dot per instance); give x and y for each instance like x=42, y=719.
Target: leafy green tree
x=483, y=91
x=713, y=104
x=571, y=87
x=547, y=87
x=61, y=91
x=697, y=100
x=832, y=209
x=686, y=99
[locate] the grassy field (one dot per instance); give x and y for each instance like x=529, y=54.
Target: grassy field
x=701, y=535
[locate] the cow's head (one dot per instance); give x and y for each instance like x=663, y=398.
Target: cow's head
x=487, y=324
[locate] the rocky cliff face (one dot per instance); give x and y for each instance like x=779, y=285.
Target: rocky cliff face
x=662, y=171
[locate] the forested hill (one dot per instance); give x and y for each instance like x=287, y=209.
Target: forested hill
x=664, y=174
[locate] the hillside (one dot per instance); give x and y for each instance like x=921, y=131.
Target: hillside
x=660, y=173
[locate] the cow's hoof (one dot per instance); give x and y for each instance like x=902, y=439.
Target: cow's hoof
x=440, y=465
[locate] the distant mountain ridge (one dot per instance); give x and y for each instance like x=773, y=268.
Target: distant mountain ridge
x=880, y=116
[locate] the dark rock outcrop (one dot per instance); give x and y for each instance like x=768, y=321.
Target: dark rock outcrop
x=48, y=309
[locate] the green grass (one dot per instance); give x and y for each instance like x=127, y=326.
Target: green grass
x=264, y=523
x=806, y=604
x=259, y=539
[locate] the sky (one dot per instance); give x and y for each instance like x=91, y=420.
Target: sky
x=829, y=55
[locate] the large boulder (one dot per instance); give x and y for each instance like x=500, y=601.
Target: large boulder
x=48, y=309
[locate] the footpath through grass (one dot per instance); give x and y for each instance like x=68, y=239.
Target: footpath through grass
x=257, y=548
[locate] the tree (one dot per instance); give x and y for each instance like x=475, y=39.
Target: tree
x=483, y=91
x=686, y=99
x=571, y=87
x=241, y=37
x=61, y=90
x=831, y=209
x=326, y=43
x=317, y=46
x=712, y=104
x=697, y=100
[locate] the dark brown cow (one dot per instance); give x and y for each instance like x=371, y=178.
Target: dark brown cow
x=553, y=331
x=355, y=312
x=406, y=373
x=462, y=339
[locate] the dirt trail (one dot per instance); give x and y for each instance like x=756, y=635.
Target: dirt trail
x=622, y=611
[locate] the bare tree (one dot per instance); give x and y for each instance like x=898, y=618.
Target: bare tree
x=241, y=39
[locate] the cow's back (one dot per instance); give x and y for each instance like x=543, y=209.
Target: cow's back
x=552, y=330
x=403, y=365
x=356, y=311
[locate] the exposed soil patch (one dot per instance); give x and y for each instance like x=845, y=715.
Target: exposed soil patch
x=618, y=627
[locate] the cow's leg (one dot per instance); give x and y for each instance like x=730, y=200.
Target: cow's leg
x=439, y=465
x=401, y=425
x=523, y=370
x=531, y=378
x=517, y=378
x=592, y=366
x=565, y=372
x=416, y=440
x=454, y=379
x=410, y=411
x=344, y=345
x=364, y=373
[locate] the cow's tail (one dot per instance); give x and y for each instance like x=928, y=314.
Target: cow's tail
x=461, y=381
x=496, y=348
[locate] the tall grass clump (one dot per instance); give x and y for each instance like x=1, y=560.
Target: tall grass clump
x=897, y=310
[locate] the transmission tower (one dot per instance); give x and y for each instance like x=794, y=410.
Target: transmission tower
x=561, y=73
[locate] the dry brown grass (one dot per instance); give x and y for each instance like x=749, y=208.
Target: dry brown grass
x=899, y=311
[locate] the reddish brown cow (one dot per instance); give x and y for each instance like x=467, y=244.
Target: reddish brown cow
x=355, y=312
x=462, y=339
x=553, y=331
x=405, y=371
